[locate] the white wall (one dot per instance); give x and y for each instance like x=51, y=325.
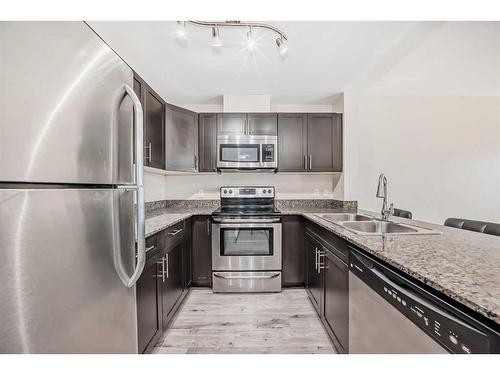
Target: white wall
x=441, y=155
x=288, y=186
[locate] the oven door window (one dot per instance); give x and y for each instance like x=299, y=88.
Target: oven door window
x=246, y=242
x=240, y=153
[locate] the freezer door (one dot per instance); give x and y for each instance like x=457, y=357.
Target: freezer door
x=65, y=115
x=60, y=291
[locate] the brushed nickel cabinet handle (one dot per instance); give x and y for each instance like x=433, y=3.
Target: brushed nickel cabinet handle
x=175, y=232
x=162, y=275
x=167, y=265
x=310, y=162
x=305, y=162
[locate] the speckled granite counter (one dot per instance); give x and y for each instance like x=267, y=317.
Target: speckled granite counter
x=463, y=265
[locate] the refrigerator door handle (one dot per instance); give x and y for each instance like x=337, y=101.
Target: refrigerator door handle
x=139, y=190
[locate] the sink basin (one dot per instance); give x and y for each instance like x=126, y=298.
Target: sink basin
x=345, y=217
x=379, y=227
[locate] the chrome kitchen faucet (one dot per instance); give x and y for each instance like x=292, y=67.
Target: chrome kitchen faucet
x=382, y=193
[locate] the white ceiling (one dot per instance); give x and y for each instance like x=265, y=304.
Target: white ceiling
x=324, y=58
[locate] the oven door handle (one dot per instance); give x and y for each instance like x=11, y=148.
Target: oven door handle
x=246, y=221
x=247, y=276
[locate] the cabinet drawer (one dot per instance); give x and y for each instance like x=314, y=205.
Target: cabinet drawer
x=172, y=235
x=153, y=245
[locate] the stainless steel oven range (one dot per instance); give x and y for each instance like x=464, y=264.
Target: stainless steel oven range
x=246, y=241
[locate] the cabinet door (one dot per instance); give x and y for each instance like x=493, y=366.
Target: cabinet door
x=262, y=124
x=147, y=293
x=207, y=133
x=186, y=261
x=336, y=303
x=232, y=124
x=293, y=273
x=182, y=138
x=313, y=277
x=324, y=142
x=202, y=251
x=292, y=142
x=172, y=288
x=154, y=130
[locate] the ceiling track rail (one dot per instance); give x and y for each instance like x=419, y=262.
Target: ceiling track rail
x=250, y=25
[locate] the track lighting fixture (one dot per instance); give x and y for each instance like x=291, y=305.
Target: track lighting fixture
x=281, y=41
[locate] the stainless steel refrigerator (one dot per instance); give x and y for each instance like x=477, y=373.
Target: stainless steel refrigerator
x=71, y=194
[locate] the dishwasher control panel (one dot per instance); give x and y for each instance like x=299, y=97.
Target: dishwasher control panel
x=448, y=326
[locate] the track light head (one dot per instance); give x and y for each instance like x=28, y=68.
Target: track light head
x=282, y=46
x=180, y=33
x=216, y=41
x=251, y=44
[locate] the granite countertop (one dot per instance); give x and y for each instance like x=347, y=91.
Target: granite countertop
x=463, y=265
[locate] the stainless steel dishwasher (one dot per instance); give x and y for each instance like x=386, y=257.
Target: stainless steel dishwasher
x=388, y=313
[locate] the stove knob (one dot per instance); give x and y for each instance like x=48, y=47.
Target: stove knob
x=269, y=191
x=225, y=191
x=230, y=192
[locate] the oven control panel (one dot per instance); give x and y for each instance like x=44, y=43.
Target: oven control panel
x=247, y=192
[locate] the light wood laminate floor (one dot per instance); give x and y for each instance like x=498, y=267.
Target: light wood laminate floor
x=275, y=323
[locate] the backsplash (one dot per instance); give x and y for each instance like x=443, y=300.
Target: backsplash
x=281, y=204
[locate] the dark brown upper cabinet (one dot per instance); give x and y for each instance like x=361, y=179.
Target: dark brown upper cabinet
x=232, y=124
x=262, y=124
x=310, y=142
x=324, y=142
x=207, y=148
x=292, y=142
x=247, y=124
x=153, y=107
x=182, y=139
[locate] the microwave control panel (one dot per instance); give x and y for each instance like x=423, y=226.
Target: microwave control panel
x=267, y=153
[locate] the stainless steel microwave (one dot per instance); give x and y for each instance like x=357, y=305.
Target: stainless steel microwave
x=251, y=152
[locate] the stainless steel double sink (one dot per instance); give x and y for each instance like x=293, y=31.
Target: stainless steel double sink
x=368, y=225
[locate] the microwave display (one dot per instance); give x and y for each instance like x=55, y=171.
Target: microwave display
x=267, y=152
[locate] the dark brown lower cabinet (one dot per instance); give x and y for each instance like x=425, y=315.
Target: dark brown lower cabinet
x=172, y=288
x=293, y=251
x=164, y=282
x=327, y=282
x=201, y=251
x=187, y=254
x=313, y=276
x=148, y=318
x=336, y=299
